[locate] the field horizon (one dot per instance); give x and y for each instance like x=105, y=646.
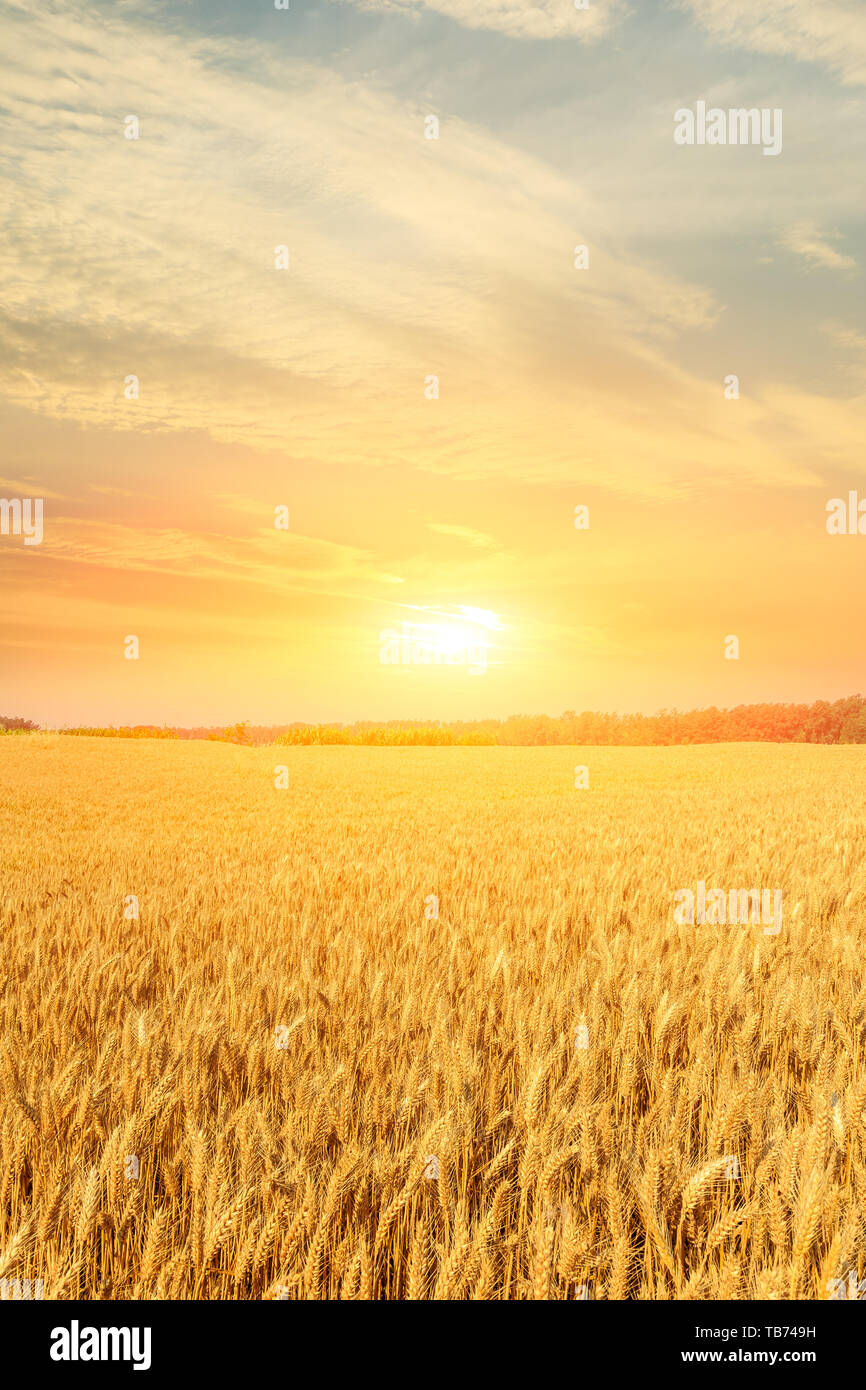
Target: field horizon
x=822, y=721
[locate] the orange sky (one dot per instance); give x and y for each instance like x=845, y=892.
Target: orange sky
x=410, y=258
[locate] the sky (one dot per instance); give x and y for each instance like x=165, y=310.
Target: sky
x=430, y=386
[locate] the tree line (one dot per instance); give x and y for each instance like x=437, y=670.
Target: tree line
x=842, y=721
x=839, y=721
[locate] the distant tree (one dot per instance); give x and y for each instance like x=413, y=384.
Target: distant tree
x=853, y=728
x=239, y=733
x=843, y=721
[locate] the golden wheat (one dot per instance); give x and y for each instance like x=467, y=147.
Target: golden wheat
x=422, y=1025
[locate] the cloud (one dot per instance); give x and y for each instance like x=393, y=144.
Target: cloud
x=805, y=239
x=519, y=19
x=845, y=336
x=407, y=257
x=278, y=561
x=829, y=32
x=108, y=490
x=463, y=533
x=852, y=345
x=246, y=505
x=197, y=563
x=19, y=487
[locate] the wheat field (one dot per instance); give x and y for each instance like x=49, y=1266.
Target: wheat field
x=421, y=1023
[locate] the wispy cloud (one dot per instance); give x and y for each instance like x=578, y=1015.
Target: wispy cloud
x=275, y=561
x=852, y=345
x=542, y=368
x=845, y=336
x=332, y=353
x=27, y=487
x=462, y=533
x=109, y=490
x=807, y=240
x=519, y=19
x=832, y=32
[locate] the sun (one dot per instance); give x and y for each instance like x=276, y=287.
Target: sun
x=463, y=613
x=484, y=617
x=453, y=635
